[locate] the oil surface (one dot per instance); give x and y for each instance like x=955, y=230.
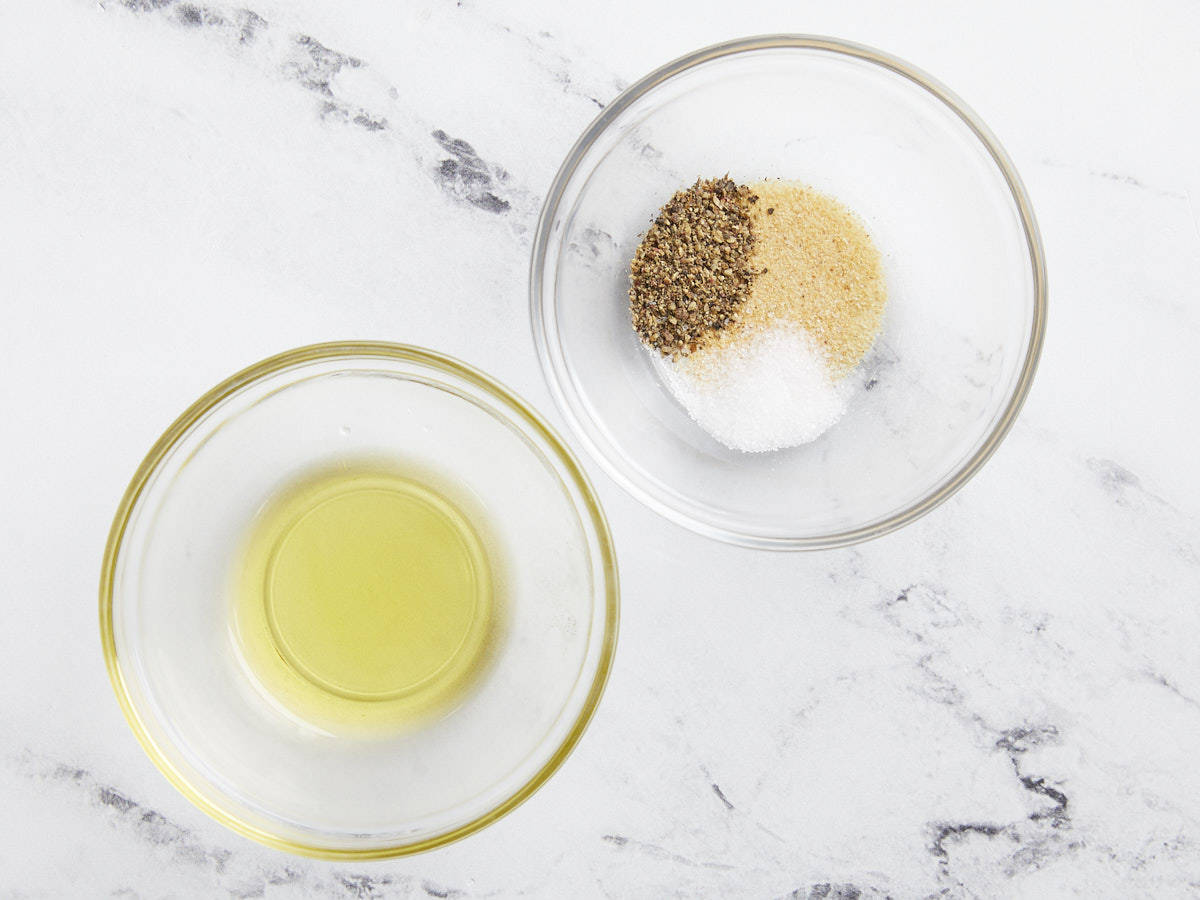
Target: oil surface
x=363, y=600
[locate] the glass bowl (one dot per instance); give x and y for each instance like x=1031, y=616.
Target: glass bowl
x=166, y=610
x=961, y=253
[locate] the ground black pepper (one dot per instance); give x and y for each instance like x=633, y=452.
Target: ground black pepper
x=692, y=269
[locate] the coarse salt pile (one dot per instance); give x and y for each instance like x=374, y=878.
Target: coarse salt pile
x=771, y=389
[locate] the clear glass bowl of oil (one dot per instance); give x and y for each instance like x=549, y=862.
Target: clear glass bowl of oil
x=358, y=601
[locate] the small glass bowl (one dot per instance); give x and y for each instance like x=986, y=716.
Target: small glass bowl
x=166, y=610
x=962, y=257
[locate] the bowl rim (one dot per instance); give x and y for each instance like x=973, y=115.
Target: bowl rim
x=543, y=315
x=604, y=560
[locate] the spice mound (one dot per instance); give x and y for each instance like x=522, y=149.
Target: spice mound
x=692, y=269
x=755, y=301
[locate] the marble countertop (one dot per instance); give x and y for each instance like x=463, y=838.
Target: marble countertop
x=1002, y=699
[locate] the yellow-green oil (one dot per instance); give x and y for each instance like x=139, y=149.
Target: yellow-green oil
x=364, y=599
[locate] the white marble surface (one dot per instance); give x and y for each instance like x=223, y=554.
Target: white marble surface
x=1000, y=700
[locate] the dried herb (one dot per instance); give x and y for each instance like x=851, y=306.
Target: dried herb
x=692, y=269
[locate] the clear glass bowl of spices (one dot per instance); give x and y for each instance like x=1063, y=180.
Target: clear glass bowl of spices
x=789, y=292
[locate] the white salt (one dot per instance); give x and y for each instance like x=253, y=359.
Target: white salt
x=766, y=390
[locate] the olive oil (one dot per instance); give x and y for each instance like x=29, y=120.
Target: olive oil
x=363, y=599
